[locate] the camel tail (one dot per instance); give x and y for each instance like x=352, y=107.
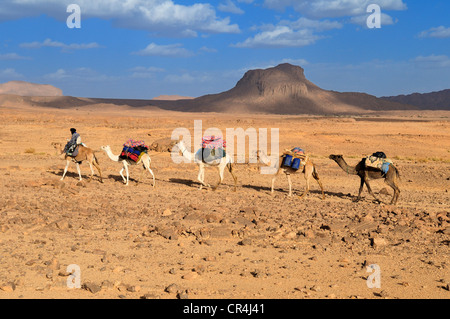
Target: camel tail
x=397, y=173
x=96, y=160
x=230, y=167
x=314, y=173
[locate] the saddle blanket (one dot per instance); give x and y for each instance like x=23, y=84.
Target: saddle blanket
x=378, y=163
x=209, y=155
x=213, y=142
x=139, y=145
x=131, y=154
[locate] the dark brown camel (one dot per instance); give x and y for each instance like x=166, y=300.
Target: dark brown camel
x=367, y=173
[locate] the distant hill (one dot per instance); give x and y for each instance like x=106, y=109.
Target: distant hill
x=427, y=101
x=172, y=97
x=283, y=89
x=22, y=88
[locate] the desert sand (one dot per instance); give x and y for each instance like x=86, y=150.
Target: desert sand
x=174, y=241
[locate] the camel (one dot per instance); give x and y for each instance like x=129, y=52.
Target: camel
x=309, y=170
x=145, y=160
x=226, y=161
x=84, y=154
x=368, y=173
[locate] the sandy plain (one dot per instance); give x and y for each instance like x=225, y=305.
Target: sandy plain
x=174, y=241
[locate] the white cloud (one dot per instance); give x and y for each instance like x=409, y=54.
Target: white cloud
x=141, y=72
x=13, y=56
x=189, y=78
x=169, y=50
x=362, y=20
x=433, y=61
x=57, y=75
x=209, y=50
x=162, y=16
x=299, y=33
x=439, y=32
x=57, y=44
x=318, y=25
x=319, y=9
x=81, y=74
x=280, y=36
x=10, y=74
x=231, y=7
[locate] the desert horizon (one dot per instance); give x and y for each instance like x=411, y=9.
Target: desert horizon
x=225, y=154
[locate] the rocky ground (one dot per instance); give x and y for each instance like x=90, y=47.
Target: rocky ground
x=174, y=241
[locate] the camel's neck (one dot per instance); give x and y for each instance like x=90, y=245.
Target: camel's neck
x=186, y=153
x=349, y=169
x=267, y=160
x=113, y=157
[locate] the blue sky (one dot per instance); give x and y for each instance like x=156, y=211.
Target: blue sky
x=145, y=48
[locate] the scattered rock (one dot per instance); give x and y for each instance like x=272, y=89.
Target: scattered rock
x=134, y=288
x=183, y=295
x=190, y=276
x=8, y=287
x=91, y=287
x=378, y=242
x=166, y=212
x=172, y=288
x=245, y=242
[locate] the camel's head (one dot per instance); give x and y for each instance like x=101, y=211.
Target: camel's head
x=105, y=148
x=56, y=144
x=181, y=145
x=335, y=157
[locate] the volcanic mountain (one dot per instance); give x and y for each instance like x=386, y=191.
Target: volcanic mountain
x=283, y=89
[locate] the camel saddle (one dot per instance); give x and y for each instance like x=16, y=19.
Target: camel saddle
x=294, y=158
x=379, y=161
x=72, y=151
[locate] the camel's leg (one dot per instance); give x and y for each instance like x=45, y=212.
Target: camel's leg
x=201, y=176
x=230, y=168
x=123, y=177
x=307, y=178
x=92, y=171
x=141, y=175
x=290, y=184
x=221, y=170
x=361, y=186
x=273, y=183
x=147, y=167
x=273, y=180
x=366, y=180
x=98, y=169
x=396, y=190
x=307, y=173
x=128, y=174
x=316, y=177
x=79, y=171
x=65, y=170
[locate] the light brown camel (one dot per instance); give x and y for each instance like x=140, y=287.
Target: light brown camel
x=84, y=154
x=145, y=160
x=367, y=173
x=308, y=170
